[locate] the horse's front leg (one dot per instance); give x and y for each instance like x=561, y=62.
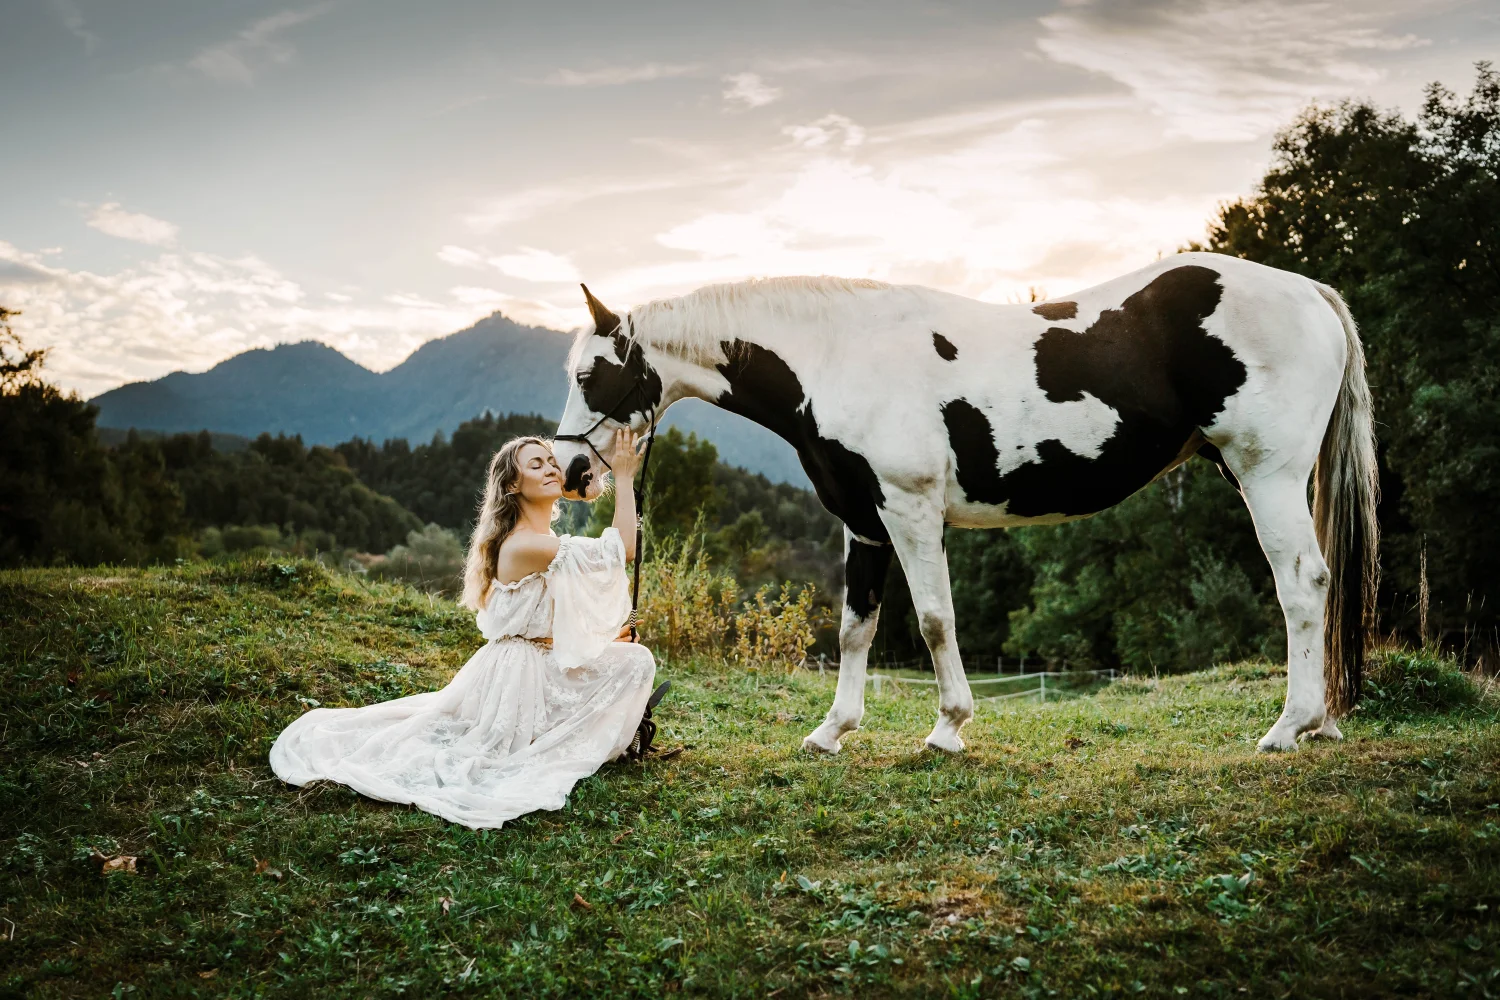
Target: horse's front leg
x=865, y=566
x=917, y=532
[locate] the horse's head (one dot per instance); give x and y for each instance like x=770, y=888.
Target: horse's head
x=612, y=386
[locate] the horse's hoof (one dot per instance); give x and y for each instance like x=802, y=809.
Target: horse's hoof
x=1276, y=740
x=820, y=742
x=1329, y=730
x=946, y=741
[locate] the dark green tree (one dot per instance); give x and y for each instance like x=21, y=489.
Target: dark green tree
x=63, y=499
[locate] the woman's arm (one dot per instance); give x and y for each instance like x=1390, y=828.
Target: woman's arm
x=624, y=462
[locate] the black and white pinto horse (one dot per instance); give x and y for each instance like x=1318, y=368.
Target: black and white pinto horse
x=912, y=409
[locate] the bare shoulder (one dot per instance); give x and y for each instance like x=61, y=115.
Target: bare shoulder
x=524, y=553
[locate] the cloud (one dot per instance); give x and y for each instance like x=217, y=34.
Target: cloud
x=614, y=76
x=536, y=265
x=1225, y=70
x=188, y=310
x=72, y=19
x=496, y=213
x=527, y=264
x=824, y=131
x=986, y=212
x=113, y=220
x=254, y=48
x=460, y=257
x=749, y=90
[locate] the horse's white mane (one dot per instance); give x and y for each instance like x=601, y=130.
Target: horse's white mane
x=694, y=325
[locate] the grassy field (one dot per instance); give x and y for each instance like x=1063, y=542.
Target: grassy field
x=1126, y=842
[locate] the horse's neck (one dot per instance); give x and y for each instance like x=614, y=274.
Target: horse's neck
x=753, y=377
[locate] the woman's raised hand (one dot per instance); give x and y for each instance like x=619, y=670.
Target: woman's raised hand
x=626, y=458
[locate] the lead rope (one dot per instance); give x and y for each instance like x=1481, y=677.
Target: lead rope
x=645, y=733
x=640, y=531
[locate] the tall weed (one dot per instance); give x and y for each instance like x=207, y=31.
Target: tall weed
x=688, y=607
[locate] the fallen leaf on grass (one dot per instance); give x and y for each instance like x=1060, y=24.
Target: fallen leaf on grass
x=582, y=903
x=209, y=974
x=622, y=834
x=672, y=753
x=264, y=868
x=447, y=868
x=447, y=902
x=122, y=863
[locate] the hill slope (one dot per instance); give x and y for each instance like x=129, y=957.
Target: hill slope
x=313, y=390
x=1126, y=843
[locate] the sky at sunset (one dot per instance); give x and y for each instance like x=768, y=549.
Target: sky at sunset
x=182, y=180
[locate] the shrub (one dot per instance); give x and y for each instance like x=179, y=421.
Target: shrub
x=687, y=607
x=1415, y=682
x=776, y=630
x=432, y=560
x=690, y=608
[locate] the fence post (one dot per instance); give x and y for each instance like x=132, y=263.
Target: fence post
x=1044, y=687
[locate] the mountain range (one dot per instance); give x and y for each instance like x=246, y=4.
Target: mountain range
x=313, y=390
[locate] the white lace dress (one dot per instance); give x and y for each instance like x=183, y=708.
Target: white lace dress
x=519, y=724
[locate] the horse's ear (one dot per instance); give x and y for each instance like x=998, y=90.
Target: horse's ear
x=605, y=322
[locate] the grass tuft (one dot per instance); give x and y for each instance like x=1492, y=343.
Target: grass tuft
x=1400, y=683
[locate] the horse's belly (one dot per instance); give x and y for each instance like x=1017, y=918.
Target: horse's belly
x=1062, y=485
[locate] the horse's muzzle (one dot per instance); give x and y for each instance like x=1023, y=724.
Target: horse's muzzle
x=577, y=479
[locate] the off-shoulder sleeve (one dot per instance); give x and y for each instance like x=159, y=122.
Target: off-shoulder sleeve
x=590, y=596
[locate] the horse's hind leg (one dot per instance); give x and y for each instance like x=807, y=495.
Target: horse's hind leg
x=865, y=567
x=1284, y=525
x=918, y=538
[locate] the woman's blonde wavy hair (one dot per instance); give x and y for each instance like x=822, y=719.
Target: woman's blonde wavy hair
x=498, y=513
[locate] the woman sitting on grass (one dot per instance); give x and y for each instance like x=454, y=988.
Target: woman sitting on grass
x=558, y=690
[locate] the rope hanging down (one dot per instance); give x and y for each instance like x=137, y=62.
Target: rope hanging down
x=640, y=531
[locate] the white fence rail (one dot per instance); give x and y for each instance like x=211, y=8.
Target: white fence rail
x=1040, y=690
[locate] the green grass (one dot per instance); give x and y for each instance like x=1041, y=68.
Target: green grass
x=1126, y=842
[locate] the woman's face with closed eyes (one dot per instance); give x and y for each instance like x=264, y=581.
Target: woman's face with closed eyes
x=541, y=479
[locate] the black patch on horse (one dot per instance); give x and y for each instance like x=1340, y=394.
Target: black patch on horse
x=943, y=346
x=864, y=577
x=973, y=442
x=1055, y=311
x=1151, y=361
x=621, y=390
x=763, y=388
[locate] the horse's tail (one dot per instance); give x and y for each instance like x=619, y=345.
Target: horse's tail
x=1346, y=490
